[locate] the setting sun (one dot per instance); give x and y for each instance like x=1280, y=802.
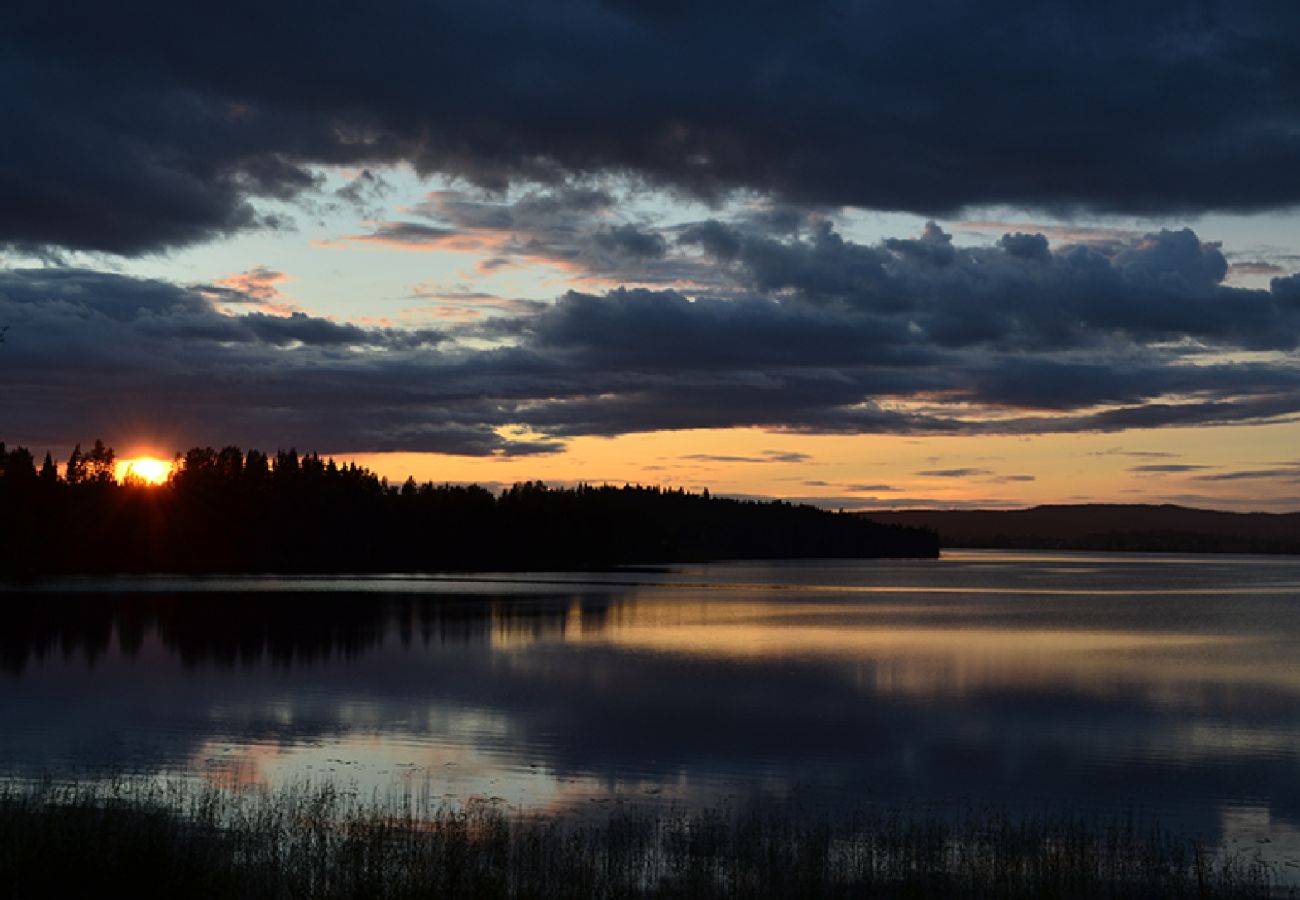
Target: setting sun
x=143, y=468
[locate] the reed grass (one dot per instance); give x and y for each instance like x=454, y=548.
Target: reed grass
x=146, y=839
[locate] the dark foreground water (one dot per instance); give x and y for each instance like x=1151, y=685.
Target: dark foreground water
x=1089, y=683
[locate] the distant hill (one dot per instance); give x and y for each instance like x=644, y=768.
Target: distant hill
x=1108, y=526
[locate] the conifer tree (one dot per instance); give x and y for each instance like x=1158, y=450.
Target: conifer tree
x=99, y=463
x=75, y=472
x=49, y=471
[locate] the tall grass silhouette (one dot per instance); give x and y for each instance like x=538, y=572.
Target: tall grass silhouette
x=185, y=838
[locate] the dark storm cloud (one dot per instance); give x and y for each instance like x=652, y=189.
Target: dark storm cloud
x=152, y=125
x=301, y=328
x=801, y=331
x=1165, y=286
x=639, y=328
x=38, y=299
x=116, y=355
x=628, y=240
x=1287, y=291
x=830, y=325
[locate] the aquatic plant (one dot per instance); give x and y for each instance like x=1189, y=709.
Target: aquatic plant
x=185, y=838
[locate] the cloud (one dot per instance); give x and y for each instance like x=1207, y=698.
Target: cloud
x=663, y=330
x=417, y=236
x=258, y=284
x=787, y=456
x=1102, y=236
x=1251, y=474
x=886, y=105
x=1139, y=454
x=628, y=240
x=1257, y=267
x=1163, y=286
x=1262, y=260
x=1164, y=468
x=769, y=456
x=953, y=473
x=566, y=228
x=364, y=191
x=800, y=331
x=460, y=303
x=112, y=355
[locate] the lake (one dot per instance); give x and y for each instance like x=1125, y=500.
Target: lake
x=1091, y=683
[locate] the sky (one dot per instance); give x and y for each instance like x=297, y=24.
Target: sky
x=860, y=254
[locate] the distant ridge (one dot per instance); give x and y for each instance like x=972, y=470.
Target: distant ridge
x=1108, y=526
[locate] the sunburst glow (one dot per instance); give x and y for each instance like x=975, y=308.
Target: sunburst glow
x=144, y=469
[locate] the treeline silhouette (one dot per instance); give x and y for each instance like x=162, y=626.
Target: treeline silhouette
x=231, y=511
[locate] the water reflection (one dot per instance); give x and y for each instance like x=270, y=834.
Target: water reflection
x=247, y=628
x=1092, y=682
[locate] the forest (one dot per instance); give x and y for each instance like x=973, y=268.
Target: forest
x=233, y=511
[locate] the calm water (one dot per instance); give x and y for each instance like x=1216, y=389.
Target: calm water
x=1089, y=682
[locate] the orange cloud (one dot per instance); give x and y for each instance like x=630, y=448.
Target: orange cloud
x=259, y=284
x=419, y=238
